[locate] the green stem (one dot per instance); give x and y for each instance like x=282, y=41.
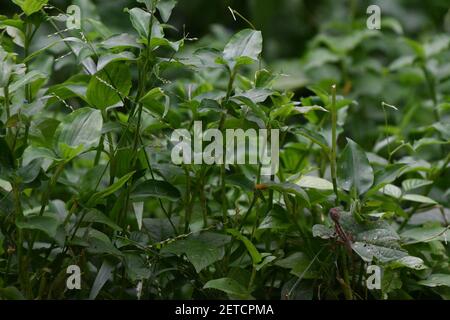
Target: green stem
x=20, y=241
x=222, y=167
x=51, y=185
x=334, y=142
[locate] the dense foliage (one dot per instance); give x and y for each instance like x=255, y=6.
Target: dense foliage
x=87, y=179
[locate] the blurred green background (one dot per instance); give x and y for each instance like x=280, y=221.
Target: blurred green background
x=287, y=25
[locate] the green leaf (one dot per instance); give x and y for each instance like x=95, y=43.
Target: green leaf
x=96, y=216
x=289, y=187
x=263, y=78
x=140, y=20
x=30, y=6
x=155, y=188
x=418, y=198
x=408, y=262
x=277, y=218
x=165, y=8
x=314, y=183
x=306, y=109
x=383, y=253
x=323, y=232
x=26, y=79
x=109, y=86
x=256, y=95
x=425, y=234
x=229, y=286
x=97, y=242
x=244, y=44
x=388, y=174
x=411, y=184
x=436, y=280
x=106, y=59
x=254, y=253
x=354, y=170
x=156, y=102
x=201, y=250
x=121, y=40
x=138, y=208
x=111, y=189
x=47, y=224
x=80, y=131
x=392, y=190
x=103, y=275
x=315, y=137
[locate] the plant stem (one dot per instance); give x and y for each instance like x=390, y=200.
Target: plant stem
x=20, y=241
x=222, y=167
x=334, y=143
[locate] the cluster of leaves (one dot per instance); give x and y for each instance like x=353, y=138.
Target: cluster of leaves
x=86, y=176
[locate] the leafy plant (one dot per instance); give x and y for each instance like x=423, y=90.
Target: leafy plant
x=87, y=178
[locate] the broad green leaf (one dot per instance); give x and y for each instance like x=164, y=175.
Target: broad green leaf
x=30, y=6
x=155, y=188
x=408, y=262
x=165, y=8
x=202, y=250
x=244, y=44
x=315, y=137
x=156, y=101
x=277, y=218
x=321, y=231
x=372, y=239
x=26, y=79
x=28, y=173
x=299, y=264
x=254, y=253
x=418, y=198
x=229, y=286
x=109, y=86
x=96, y=242
x=140, y=20
x=263, y=78
x=382, y=253
x=31, y=153
x=80, y=130
x=411, y=184
x=426, y=234
x=436, y=280
x=354, y=170
x=121, y=40
x=388, y=174
x=106, y=59
x=257, y=95
x=392, y=190
x=314, y=183
x=7, y=67
x=46, y=223
x=290, y=188
x=96, y=216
